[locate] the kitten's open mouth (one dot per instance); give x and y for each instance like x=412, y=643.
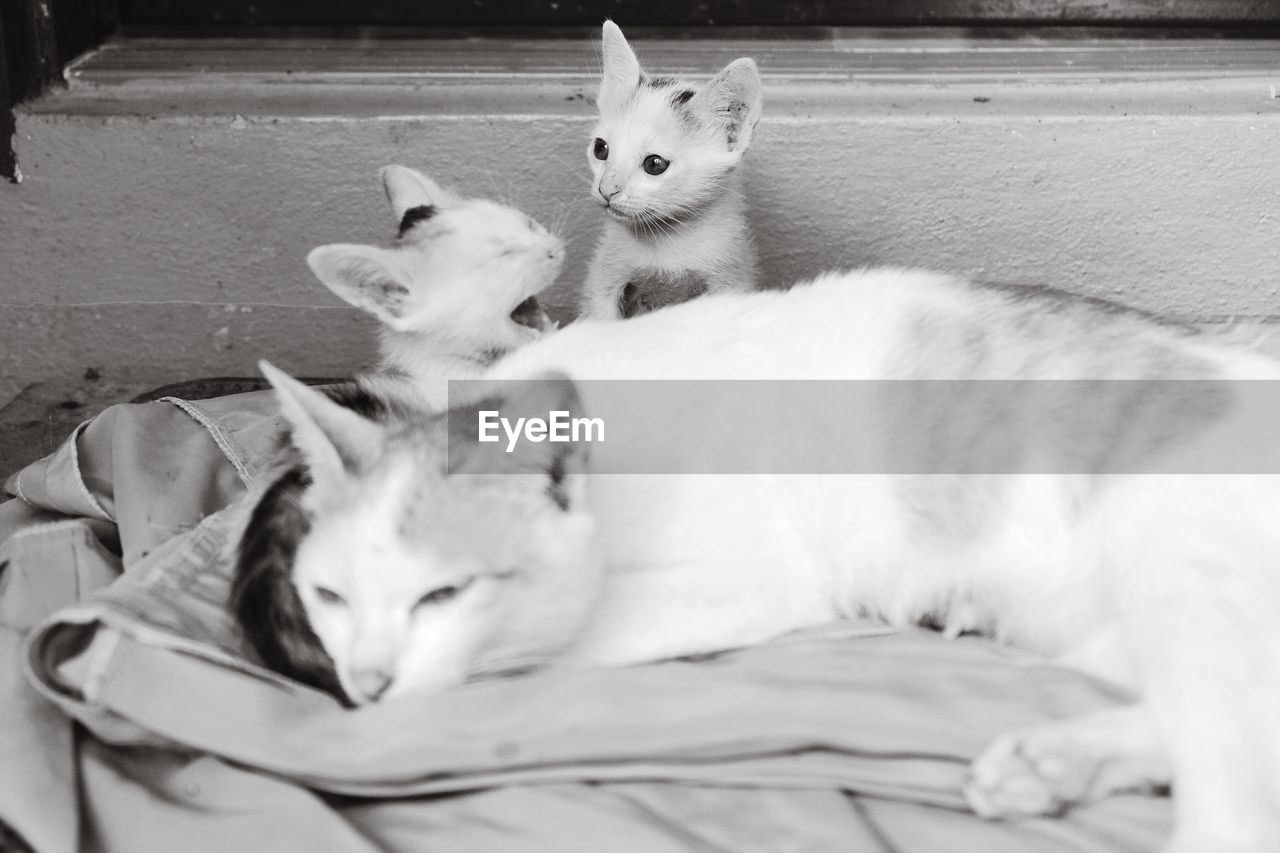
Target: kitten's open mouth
x=529, y=313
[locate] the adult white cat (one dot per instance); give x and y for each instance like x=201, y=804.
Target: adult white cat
x=663, y=158
x=424, y=568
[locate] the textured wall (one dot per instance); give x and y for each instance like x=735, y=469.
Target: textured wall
x=170, y=235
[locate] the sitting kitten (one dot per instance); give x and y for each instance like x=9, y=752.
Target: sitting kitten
x=1164, y=582
x=662, y=158
x=457, y=291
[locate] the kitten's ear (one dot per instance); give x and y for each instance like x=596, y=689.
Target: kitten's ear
x=621, y=69
x=732, y=101
x=563, y=464
x=407, y=189
x=335, y=441
x=367, y=277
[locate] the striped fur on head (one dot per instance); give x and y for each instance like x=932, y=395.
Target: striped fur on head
x=263, y=598
x=388, y=558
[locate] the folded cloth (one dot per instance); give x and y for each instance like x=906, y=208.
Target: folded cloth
x=113, y=608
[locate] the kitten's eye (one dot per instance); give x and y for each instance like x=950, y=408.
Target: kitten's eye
x=328, y=596
x=601, y=149
x=439, y=595
x=655, y=165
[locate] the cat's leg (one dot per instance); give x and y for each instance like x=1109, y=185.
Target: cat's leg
x=1194, y=568
x=605, y=280
x=1046, y=769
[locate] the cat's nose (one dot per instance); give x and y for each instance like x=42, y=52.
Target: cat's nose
x=608, y=195
x=372, y=682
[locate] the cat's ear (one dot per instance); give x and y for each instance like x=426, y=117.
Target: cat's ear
x=368, y=277
x=408, y=189
x=336, y=442
x=621, y=69
x=561, y=465
x=732, y=102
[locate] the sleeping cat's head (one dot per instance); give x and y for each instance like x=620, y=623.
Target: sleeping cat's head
x=463, y=276
x=663, y=148
x=429, y=560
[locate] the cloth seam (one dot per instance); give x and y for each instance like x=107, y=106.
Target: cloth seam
x=43, y=527
x=75, y=467
x=220, y=438
x=196, y=539
x=17, y=485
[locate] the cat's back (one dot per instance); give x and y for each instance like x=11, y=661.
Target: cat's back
x=890, y=324
x=836, y=326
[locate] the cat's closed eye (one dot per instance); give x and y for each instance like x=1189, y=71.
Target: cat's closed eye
x=655, y=165
x=601, y=149
x=328, y=596
x=442, y=594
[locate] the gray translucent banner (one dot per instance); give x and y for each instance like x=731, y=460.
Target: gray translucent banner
x=870, y=427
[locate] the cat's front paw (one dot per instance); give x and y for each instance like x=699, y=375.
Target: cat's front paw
x=1046, y=769
x=1032, y=772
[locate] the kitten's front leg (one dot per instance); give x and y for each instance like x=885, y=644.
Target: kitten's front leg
x=1048, y=768
x=606, y=276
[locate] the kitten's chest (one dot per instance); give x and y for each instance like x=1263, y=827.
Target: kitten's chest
x=708, y=252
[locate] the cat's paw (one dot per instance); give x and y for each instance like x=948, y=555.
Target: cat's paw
x=1046, y=769
x=1031, y=772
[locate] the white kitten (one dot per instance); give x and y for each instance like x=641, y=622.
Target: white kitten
x=458, y=290
x=663, y=158
x=1164, y=581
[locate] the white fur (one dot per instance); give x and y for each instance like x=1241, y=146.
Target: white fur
x=691, y=219
x=1166, y=583
x=443, y=295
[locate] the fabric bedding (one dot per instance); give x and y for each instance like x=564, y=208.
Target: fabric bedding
x=134, y=718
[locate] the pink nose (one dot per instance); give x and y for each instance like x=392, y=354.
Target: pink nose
x=372, y=682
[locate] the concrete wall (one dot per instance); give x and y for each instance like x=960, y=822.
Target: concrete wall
x=162, y=226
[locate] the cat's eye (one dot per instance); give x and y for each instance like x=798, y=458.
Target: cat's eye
x=601, y=149
x=441, y=594
x=655, y=165
x=328, y=596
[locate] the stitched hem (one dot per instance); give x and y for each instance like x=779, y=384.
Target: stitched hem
x=220, y=438
x=42, y=527
x=17, y=486
x=196, y=539
x=80, y=483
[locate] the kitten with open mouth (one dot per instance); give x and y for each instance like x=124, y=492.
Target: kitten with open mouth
x=458, y=290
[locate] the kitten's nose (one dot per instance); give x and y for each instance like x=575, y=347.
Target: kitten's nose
x=609, y=194
x=372, y=682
